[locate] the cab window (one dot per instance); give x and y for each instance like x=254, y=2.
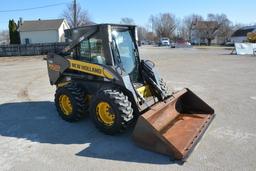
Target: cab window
x=91, y=50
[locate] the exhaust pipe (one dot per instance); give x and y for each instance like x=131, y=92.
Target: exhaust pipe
x=174, y=126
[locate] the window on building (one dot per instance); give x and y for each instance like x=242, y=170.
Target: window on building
x=27, y=41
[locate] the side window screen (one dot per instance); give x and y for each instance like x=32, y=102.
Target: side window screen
x=92, y=51
x=97, y=54
x=85, y=51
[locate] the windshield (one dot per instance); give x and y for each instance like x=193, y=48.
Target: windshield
x=126, y=49
x=165, y=39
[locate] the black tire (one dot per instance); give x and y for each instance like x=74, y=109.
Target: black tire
x=77, y=100
x=120, y=107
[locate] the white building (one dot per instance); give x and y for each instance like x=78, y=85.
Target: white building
x=4, y=38
x=240, y=35
x=43, y=31
x=199, y=30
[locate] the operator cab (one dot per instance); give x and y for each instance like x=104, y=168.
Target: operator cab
x=107, y=44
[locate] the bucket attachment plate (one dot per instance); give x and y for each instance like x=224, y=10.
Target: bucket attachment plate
x=174, y=126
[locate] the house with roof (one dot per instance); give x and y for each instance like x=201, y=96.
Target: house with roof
x=200, y=29
x=240, y=35
x=43, y=31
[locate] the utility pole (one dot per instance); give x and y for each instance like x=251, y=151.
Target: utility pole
x=75, y=13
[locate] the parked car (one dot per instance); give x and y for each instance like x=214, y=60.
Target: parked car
x=173, y=45
x=144, y=42
x=229, y=44
x=182, y=44
x=188, y=43
x=164, y=41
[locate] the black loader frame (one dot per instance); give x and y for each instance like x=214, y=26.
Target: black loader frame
x=100, y=73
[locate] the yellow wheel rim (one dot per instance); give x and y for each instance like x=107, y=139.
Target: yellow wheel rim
x=104, y=113
x=65, y=105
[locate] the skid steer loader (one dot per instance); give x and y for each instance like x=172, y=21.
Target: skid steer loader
x=100, y=73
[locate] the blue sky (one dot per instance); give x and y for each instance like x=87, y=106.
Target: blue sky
x=102, y=11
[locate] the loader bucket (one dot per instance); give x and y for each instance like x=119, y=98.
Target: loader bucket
x=174, y=126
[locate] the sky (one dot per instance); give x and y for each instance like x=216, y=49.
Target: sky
x=111, y=11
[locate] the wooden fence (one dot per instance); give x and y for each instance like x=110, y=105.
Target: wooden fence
x=31, y=49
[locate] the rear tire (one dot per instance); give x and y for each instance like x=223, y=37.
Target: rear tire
x=118, y=111
x=70, y=102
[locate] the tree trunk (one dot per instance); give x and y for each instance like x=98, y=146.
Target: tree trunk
x=209, y=42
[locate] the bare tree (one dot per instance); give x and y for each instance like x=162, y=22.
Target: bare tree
x=142, y=32
x=151, y=36
x=127, y=20
x=188, y=24
x=223, y=26
x=215, y=25
x=78, y=17
x=237, y=26
x=225, y=31
x=183, y=33
x=207, y=30
x=164, y=24
x=152, y=22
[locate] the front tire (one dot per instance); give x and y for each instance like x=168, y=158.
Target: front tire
x=111, y=111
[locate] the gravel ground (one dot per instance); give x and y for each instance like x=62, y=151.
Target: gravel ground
x=33, y=137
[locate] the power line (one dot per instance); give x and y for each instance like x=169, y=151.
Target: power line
x=32, y=8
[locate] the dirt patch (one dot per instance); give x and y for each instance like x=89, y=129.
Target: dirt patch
x=23, y=94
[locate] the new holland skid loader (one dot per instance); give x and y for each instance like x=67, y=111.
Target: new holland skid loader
x=100, y=74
